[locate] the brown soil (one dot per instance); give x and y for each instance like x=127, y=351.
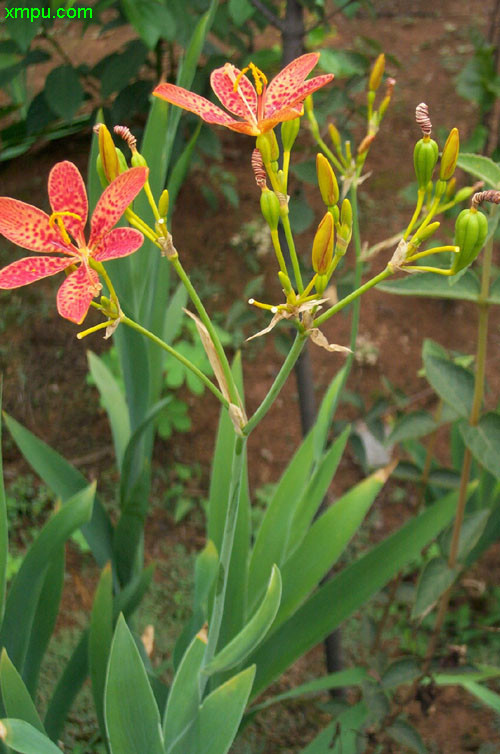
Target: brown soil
x=44, y=366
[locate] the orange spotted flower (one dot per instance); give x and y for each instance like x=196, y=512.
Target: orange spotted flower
x=63, y=231
x=259, y=107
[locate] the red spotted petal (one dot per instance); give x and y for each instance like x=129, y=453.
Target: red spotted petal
x=31, y=269
x=279, y=117
x=76, y=293
x=281, y=91
x=67, y=193
x=114, y=201
x=118, y=243
x=308, y=87
x=202, y=107
x=27, y=226
x=243, y=101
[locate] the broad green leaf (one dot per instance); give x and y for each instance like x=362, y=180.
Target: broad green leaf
x=15, y=696
x=25, y=739
x=480, y=167
x=45, y=618
x=240, y=11
x=150, y=19
x=410, y=426
x=24, y=23
x=453, y=383
x=271, y=538
x=325, y=541
x=343, y=735
x=428, y=284
x=100, y=638
x=253, y=632
x=471, y=530
x=63, y=91
x=483, y=441
x=347, y=591
x=434, y=580
x=343, y=63
x=132, y=717
x=113, y=401
x=65, y=480
x=26, y=588
x=4, y=529
x=405, y=734
x=184, y=697
x=404, y=670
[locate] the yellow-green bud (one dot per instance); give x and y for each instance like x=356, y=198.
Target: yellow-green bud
x=289, y=131
x=137, y=160
x=322, y=250
x=422, y=235
x=163, y=203
x=334, y=135
x=320, y=284
x=270, y=208
x=100, y=172
x=285, y=282
x=464, y=193
x=107, y=151
x=471, y=229
x=267, y=144
x=346, y=213
x=377, y=73
x=451, y=188
x=450, y=155
x=425, y=157
x=121, y=160
x=327, y=181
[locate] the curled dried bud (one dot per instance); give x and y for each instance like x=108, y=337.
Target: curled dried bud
x=450, y=155
x=322, y=250
x=423, y=120
x=107, y=152
x=486, y=196
x=377, y=73
x=128, y=137
x=258, y=169
x=327, y=181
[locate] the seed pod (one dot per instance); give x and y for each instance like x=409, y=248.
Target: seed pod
x=327, y=181
x=107, y=150
x=320, y=284
x=425, y=157
x=267, y=144
x=471, y=229
x=322, y=250
x=138, y=161
x=270, y=208
x=289, y=131
x=121, y=160
x=450, y=155
x=377, y=73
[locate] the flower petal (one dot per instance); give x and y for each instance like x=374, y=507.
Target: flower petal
x=67, y=193
x=76, y=293
x=279, y=117
x=114, y=201
x=202, y=107
x=31, y=269
x=281, y=91
x=118, y=243
x=308, y=87
x=28, y=226
x=243, y=101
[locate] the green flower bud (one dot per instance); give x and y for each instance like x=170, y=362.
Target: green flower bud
x=320, y=284
x=289, y=131
x=425, y=157
x=137, y=160
x=471, y=229
x=270, y=208
x=267, y=144
x=285, y=282
x=327, y=181
x=464, y=193
x=377, y=73
x=163, y=203
x=450, y=155
x=322, y=250
x=346, y=213
x=334, y=135
x=427, y=232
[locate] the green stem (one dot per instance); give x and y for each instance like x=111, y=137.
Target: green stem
x=233, y=392
x=188, y=364
x=328, y=152
x=285, y=219
x=353, y=296
x=278, y=383
x=358, y=271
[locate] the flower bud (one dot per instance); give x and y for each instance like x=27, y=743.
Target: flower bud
x=450, y=155
x=285, y=282
x=320, y=284
x=270, y=208
x=289, y=131
x=163, y=203
x=267, y=144
x=366, y=143
x=346, y=213
x=334, y=135
x=427, y=232
x=377, y=73
x=327, y=181
x=107, y=151
x=425, y=157
x=137, y=160
x=471, y=229
x=322, y=250
x=464, y=193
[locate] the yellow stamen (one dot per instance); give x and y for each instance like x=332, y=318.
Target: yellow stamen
x=259, y=78
x=56, y=219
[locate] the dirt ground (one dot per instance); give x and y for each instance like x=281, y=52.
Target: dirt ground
x=44, y=365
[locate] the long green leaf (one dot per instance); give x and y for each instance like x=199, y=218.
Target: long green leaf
x=326, y=412
x=114, y=402
x=100, y=638
x=484, y=694
x=4, y=529
x=65, y=481
x=325, y=542
x=15, y=696
x=132, y=717
x=27, y=585
x=184, y=696
x=26, y=739
x=483, y=441
x=346, y=592
x=68, y=686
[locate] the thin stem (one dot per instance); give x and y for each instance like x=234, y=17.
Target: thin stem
x=353, y=296
x=358, y=271
x=285, y=219
x=151, y=200
x=278, y=383
x=328, y=152
x=277, y=250
x=416, y=214
x=233, y=392
x=135, y=326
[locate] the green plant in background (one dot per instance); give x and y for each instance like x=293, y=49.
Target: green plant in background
x=260, y=599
